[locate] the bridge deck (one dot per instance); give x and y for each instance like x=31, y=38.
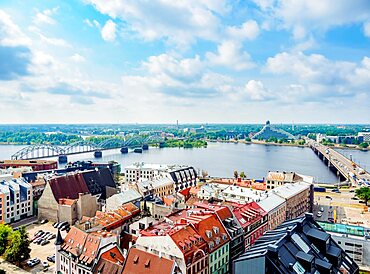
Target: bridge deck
x=341, y=163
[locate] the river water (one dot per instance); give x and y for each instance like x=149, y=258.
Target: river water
x=221, y=159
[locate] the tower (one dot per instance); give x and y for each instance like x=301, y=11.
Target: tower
x=58, y=242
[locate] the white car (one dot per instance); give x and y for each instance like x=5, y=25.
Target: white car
x=319, y=214
x=45, y=264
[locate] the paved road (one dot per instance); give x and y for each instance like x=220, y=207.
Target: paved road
x=341, y=162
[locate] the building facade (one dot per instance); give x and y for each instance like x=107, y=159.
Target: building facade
x=36, y=165
x=275, y=206
x=16, y=200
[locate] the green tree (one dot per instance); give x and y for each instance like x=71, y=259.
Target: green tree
x=242, y=175
x=363, y=193
x=236, y=174
x=364, y=145
x=18, y=248
x=5, y=231
x=2, y=271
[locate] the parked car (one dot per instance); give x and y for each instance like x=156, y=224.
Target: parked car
x=351, y=190
x=322, y=209
x=61, y=224
x=51, y=258
x=319, y=214
x=33, y=262
x=328, y=197
x=64, y=227
x=44, y=221
x=45, y=242
x=55, y=224
x=50, y=237
x=354, y=198
x=45, y=264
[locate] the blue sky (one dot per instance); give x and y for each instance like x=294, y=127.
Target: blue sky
x=206, y=61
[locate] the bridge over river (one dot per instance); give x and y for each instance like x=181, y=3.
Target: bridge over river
x=137, y=143
x=344, y=167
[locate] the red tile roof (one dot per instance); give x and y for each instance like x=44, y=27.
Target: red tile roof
x=222, y=211
x=110, y=262
x=140, y=262
x=113, y=219
x=74, y=241
x=67, y=202
x=84, y=245
x=248, y=214
x=68, y=186
x=184, y=236
x=206, y=223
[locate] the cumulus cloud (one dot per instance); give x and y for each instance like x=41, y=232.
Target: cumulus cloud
x=307, y=16
x=249, y=30
x=10, y=33
x=45, y=16
x=77, y=58
x=319, y=77
x=179, y=22
x=108, y=32
x=231, y=55
x=256, y=91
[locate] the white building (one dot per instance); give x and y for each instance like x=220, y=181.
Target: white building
x=160, y=186
x=182, y=176
x=16, y=199
x=365, y=136
x=275, y=206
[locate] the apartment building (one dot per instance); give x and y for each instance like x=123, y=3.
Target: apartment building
x=275, y=206
x=182, y=176
x=279, y=178
x=16, y=199
x=160, y=187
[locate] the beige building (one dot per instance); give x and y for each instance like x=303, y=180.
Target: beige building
x=279, y=178
x=275, y=206
x=159, y=187
x=298, y=197
x=72, y=210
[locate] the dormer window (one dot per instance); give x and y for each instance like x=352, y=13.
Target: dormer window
x=209, y=233
x=216, y=229
x=223, y=236
x=217, y=240
x=211, y=245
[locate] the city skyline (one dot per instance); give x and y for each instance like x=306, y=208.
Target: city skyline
x=97, y=61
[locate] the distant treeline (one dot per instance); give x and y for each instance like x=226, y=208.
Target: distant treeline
x=28, y=138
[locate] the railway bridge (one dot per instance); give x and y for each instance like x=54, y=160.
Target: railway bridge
x=137, y=143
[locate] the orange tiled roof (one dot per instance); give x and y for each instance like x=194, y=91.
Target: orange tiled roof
x=248, y=214
x=74, y=241
x=139, y=261
x=67, y=202
x=110, y=262
x=207, y=225
x=222, y=211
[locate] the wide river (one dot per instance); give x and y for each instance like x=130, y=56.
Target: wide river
x=221, y=159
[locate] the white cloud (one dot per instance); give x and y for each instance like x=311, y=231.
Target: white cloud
x=45, y=16
x=367, y=29
x=54, y=41
x=179, y=22
x=256, y=91
x=319, y=77
x=249, y=30
x=10, y=33
x=77, y=58
x=231, y=55
x=307, y=16
x=108, y=32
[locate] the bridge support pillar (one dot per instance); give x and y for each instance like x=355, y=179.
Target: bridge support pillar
x=62, y=159
x=98, y=154
x=124, y=150
x=145, y=146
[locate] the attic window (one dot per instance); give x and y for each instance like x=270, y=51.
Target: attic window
x=216, y=229
x=136, y=259
x=223, y=236
x=211, y=245
x=209, y=233
x=217, y=240
x=147, y=263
